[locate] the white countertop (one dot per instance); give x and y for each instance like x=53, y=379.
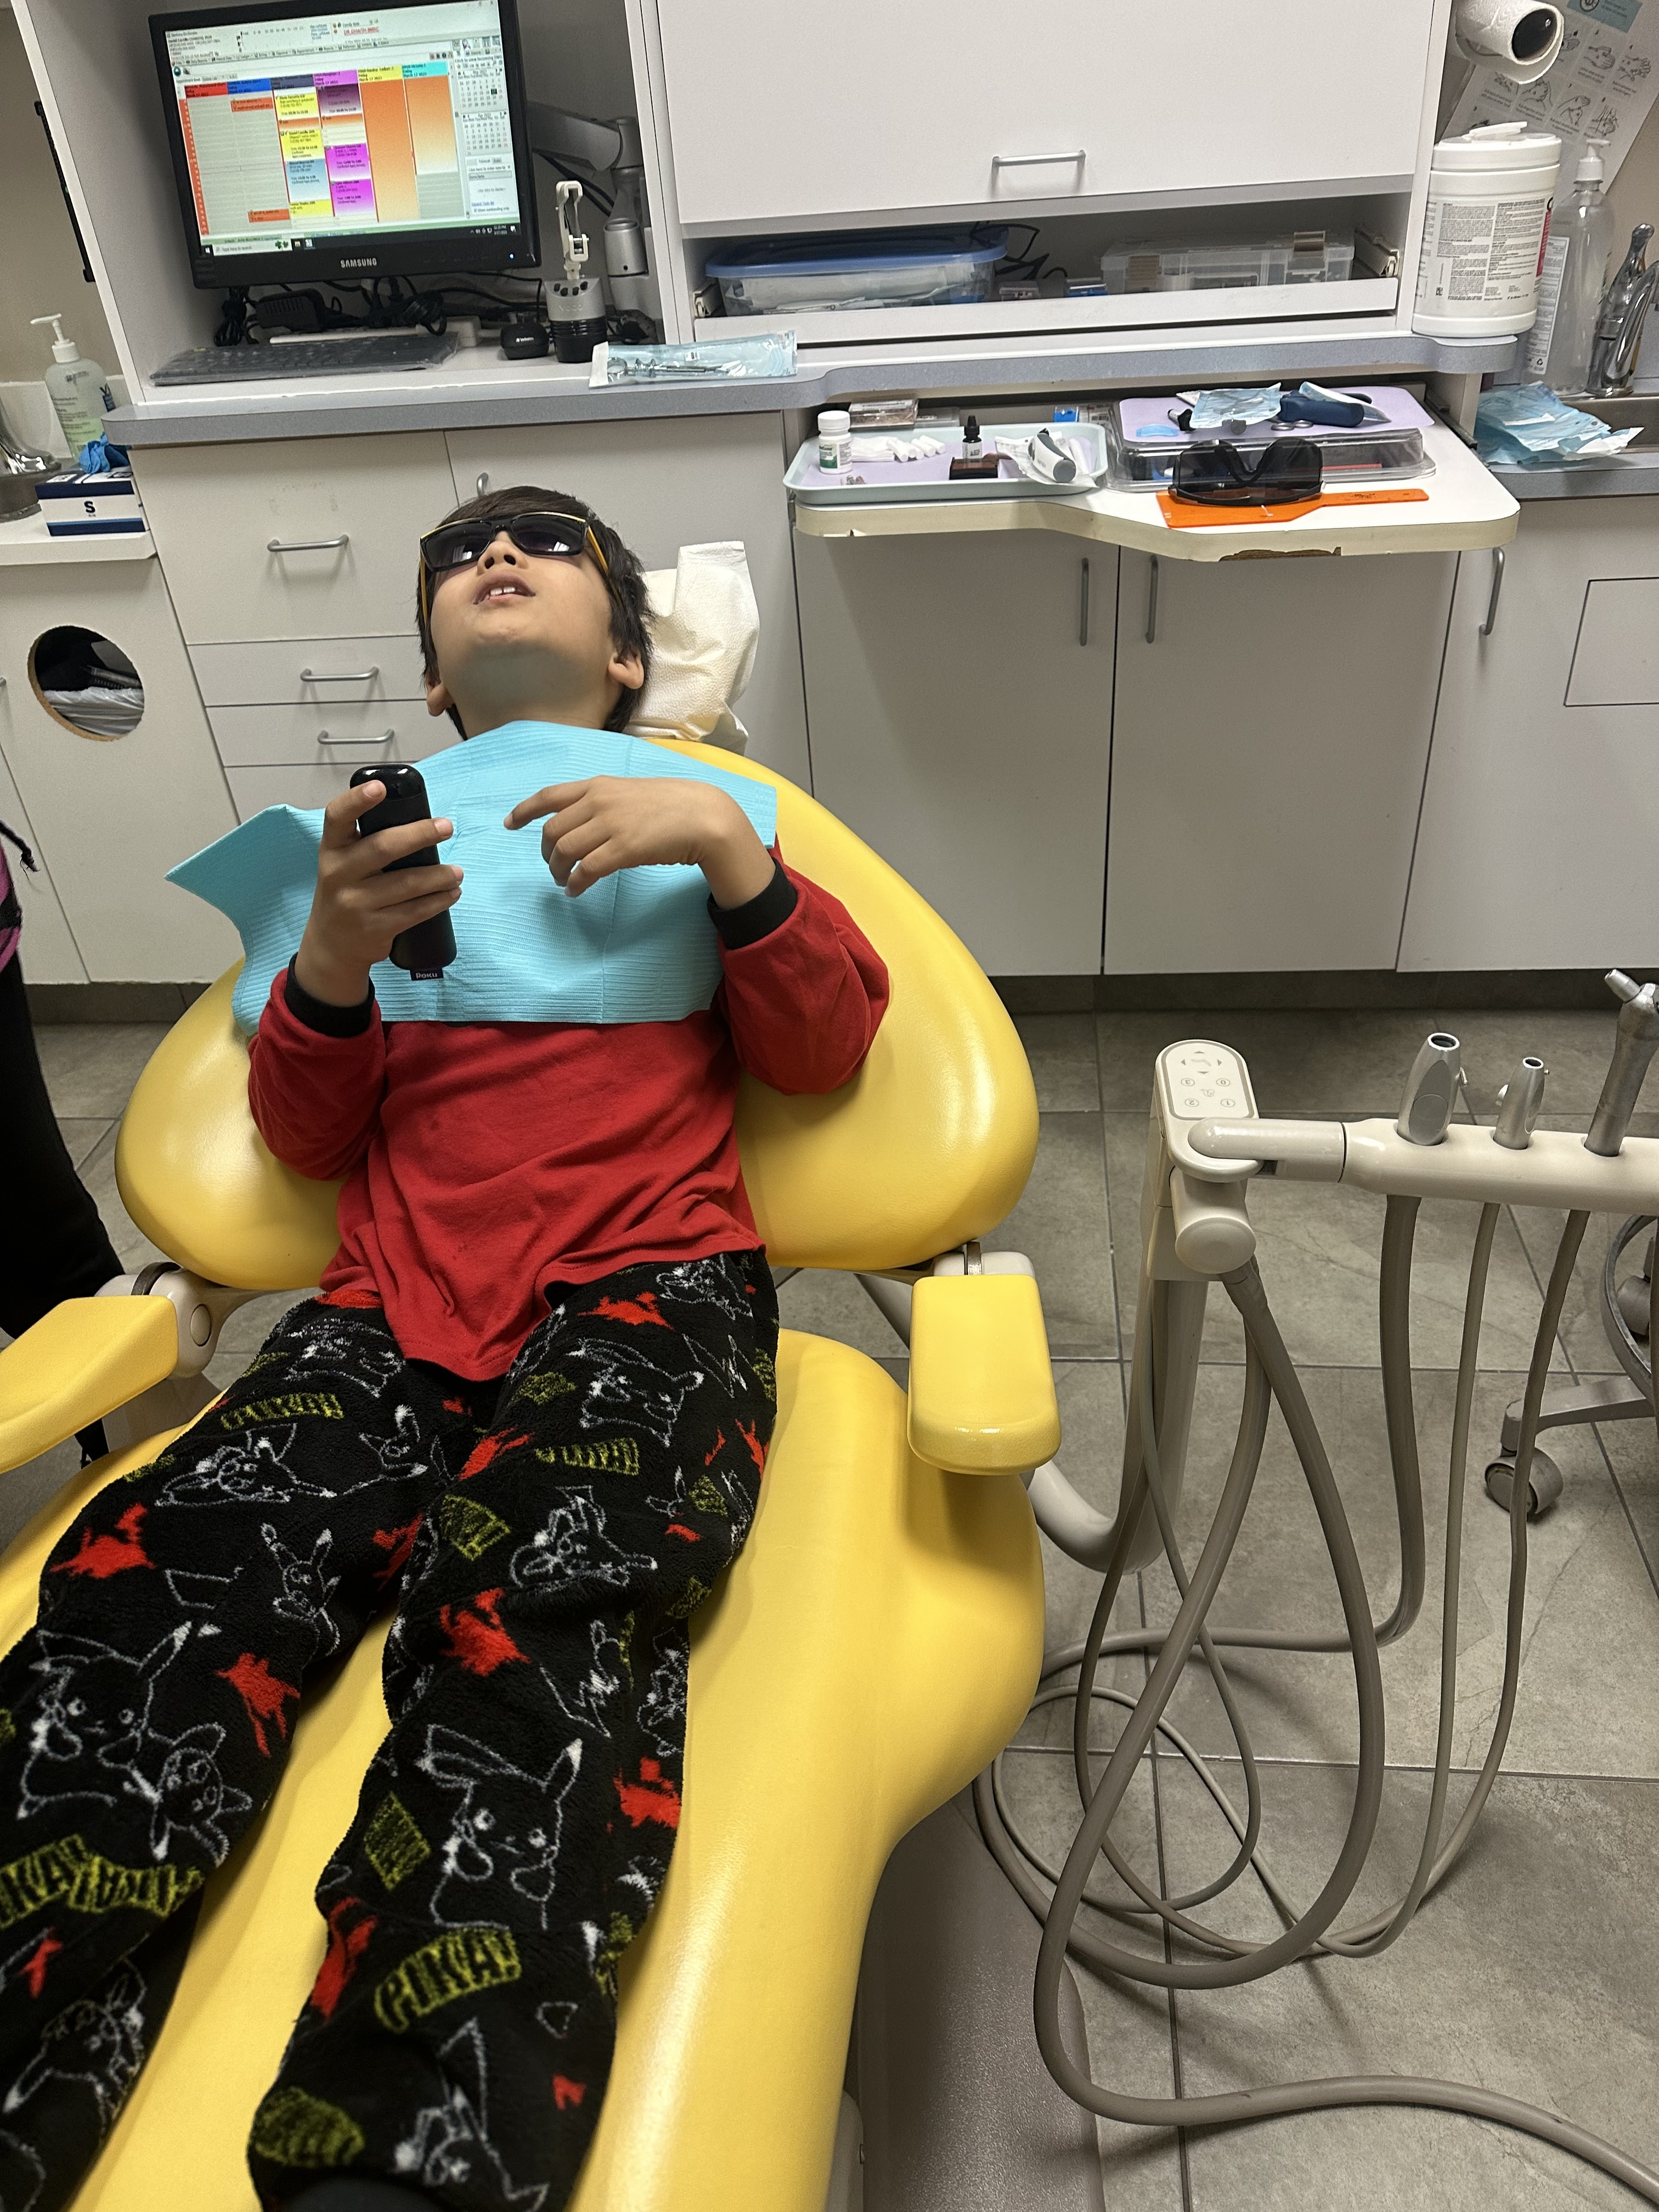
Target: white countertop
x=1467, y=508
x=28, y=543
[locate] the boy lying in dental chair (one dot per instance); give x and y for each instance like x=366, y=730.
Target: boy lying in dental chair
x=529, y=1407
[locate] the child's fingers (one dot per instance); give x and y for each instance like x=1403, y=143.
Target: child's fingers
x=572, y=845
x=549, y=800
x=382, y=893
x=342, y=814
x=372, y=854
x=416, y=910
x=603, y=860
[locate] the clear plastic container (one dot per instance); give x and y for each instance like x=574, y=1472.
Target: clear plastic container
x=1181, y=265
x=862, y=268
x=1142, y=439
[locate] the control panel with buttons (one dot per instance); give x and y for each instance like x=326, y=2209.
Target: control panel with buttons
x=1200, y=1081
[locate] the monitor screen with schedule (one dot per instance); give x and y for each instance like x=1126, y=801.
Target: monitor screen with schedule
x=387, y=140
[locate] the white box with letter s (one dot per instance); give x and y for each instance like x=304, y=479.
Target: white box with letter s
x=79, y=505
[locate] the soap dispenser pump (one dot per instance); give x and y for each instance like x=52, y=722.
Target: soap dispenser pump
x=80, y=390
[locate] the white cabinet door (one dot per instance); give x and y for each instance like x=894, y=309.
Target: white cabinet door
x=113, y=815
x=344, y=514
x=1540, y=819
x=664, y=485
x=784, y=114
x=1268, y=749
x=961, y=725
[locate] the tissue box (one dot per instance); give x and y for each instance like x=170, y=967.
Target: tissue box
x=76, y=505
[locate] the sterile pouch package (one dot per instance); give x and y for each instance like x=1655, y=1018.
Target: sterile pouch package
x=1526, y=426
x=638, y=947
x=1213, y=411
x=705, y=626
x=768, y=354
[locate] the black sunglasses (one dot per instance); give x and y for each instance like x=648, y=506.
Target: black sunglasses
x=1220, y=476
x=544, y=536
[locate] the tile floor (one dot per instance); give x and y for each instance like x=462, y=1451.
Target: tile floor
x=1534, y=1971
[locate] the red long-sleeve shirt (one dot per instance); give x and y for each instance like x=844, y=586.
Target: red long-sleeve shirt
x=483, y=1161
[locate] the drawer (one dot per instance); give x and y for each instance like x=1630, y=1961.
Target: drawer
x=329, y=735
x=346, y=515
x=326, y=671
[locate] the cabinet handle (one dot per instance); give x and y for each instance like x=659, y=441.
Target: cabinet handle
x=384, y=738
x=308, y=545
x=1083, y=603
x=483, y=482
x=1152, y=600
x=355, y=676
x=1037, y=161
x=1496, y=588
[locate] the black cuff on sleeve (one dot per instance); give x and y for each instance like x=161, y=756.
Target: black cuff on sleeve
x=326, y=1020
x=756, y=917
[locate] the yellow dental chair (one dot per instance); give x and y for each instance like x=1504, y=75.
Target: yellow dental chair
x=878, y=1641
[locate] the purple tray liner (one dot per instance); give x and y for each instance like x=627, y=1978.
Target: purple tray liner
x=1400, y=410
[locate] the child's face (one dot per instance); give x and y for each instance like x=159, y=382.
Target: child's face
x=515, y=633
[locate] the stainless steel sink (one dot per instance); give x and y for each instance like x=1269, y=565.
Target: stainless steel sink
x=1641, y=408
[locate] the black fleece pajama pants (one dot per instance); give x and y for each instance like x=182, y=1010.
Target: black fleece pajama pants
x=545, y=1538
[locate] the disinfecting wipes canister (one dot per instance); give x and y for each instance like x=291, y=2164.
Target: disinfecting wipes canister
x=1484, y=236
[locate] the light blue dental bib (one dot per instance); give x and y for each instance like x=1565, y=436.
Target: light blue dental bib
x=638, y=947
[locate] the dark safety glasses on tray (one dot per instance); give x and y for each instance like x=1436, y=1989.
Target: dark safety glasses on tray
x=544, y=536
x=1220, y=476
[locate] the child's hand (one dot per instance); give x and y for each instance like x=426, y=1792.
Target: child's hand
x=355, y=911
x=611, y=822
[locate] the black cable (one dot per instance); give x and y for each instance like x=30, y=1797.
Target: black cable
x=603, y=201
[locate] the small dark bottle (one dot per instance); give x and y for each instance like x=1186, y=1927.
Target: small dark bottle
x=427, y=948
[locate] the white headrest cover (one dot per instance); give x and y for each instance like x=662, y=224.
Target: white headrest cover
x=705, y=627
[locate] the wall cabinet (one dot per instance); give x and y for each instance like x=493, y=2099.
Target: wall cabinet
x=111, y=816
x=1542, y=812
x=960, y=692
x=664, y=485
x=783, y=115
x=1268, y=749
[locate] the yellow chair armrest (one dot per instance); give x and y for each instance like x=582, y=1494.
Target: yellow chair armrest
x=981, y=1384
x=80, y=1361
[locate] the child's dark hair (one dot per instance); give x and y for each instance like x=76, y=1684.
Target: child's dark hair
x=625, y=581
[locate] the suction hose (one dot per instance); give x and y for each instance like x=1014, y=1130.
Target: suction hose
x=1270, y=1375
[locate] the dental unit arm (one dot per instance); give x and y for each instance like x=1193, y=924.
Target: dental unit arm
x=1205, y=1144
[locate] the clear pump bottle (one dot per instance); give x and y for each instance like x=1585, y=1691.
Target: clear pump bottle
x=80, y=390
x=1587, y=224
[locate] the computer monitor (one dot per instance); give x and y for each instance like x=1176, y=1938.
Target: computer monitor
x=387, y=140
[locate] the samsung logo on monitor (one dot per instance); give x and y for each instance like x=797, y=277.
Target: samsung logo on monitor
x=369, y=261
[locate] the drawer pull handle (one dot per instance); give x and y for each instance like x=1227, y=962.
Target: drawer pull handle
x=308, y=545
x=355, y=676
x=384, y=738
x=1037, y=161
x=1498, y=567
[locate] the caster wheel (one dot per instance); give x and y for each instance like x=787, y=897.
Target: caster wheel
x=1543, y=1489
x=1632, y=1295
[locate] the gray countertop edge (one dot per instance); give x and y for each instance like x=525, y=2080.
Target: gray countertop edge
x=1629, y=474
x=233, y=415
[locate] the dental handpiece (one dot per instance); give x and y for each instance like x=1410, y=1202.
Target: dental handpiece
x=1430, y=1089
x=1519, y=1104
x=1637, y=1041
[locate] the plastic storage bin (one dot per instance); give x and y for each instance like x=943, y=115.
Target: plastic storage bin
x=864, y=269
x=1180, y=265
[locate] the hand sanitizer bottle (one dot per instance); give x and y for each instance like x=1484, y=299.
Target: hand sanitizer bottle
x=80, y=390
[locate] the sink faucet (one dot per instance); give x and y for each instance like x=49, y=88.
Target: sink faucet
x=1618, y=325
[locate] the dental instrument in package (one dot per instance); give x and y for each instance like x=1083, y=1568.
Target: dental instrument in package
x=768, y=354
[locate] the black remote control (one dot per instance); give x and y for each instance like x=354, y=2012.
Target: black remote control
x=427, y=948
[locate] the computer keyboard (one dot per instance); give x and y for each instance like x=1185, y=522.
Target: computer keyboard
x=328, y=356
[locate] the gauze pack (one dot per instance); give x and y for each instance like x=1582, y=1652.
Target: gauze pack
x=638, y=947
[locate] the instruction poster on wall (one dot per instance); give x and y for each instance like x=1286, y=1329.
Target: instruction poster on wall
x=1601, y=85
